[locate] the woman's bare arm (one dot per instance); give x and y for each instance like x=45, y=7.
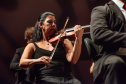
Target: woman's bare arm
x=73, y=52
x=26, y=61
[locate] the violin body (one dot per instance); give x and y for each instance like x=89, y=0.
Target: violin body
x=69, y=33
x=63, y=36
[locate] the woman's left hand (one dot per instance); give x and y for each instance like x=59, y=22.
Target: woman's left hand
x=78, y=31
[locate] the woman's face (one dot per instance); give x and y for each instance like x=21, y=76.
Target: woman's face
x=49, y=25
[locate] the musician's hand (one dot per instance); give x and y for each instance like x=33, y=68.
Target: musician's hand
x=43, y=60
x=78, y=31
x=91, y=68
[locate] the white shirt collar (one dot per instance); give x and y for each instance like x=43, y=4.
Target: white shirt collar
x=119, y=4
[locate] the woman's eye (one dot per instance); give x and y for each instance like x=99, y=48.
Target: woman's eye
x=50, y=22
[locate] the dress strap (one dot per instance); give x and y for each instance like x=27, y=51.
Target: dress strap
x=35, y=45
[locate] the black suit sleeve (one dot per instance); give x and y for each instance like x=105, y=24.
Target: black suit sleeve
x=14, y=65
x=101, y=34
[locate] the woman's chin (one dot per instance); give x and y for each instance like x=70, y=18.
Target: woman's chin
x=52, y=32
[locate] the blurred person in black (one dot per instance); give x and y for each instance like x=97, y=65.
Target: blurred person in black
x=21, y=74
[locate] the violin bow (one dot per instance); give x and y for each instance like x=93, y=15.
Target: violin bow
x=59, y=38
x=83, y=27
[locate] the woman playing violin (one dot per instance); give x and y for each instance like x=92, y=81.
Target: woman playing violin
x=37, y=54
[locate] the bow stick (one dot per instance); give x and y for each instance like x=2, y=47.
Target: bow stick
x=59, y=39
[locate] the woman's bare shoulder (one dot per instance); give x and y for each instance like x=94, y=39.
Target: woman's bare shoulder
x=30, y=46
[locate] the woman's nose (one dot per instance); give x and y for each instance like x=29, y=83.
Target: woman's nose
x=53, y=24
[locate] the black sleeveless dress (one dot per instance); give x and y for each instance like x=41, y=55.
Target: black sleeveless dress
x=59, y=69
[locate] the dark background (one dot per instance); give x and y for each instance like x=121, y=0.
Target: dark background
x=17, y=15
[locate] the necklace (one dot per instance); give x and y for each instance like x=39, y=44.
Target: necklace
x=47, y=43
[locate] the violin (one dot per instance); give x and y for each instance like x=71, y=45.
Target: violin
x=68, y=33
x=61, y=35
